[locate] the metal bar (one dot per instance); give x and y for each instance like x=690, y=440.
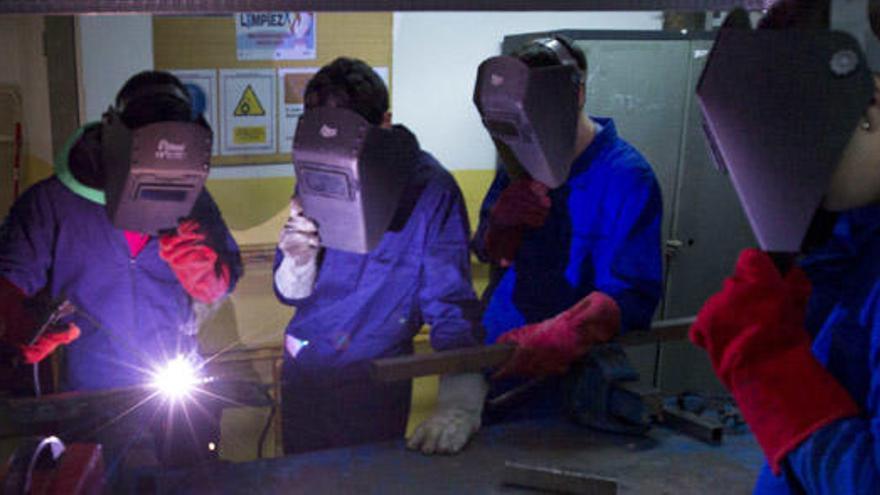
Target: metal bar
x=229, y=6
x=661, y=331
x=705, y=429
x=469, y=359
x=481, y=358
x=557, y=480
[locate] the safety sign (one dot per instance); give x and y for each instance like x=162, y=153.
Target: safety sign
x=291, y=86
x=248, y=112
x=206, y=81
x=249, y=104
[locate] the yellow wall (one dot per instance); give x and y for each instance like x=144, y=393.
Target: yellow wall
x=255, y=209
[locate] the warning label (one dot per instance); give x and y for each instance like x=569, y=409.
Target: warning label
x=249, y=135
x=249, y=105
x=249, y=109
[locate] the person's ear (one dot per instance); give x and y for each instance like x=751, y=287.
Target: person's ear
x=386, y=120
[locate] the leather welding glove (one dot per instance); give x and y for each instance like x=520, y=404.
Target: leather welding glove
x=195, y=264
x=523, y=204
x=300, y=244
x=754, y=333
x=456, y=418
x=551, y=346
x=17, y=327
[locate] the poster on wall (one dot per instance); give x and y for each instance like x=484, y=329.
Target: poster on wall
x=248, y=112
x=291, y=86
x=275, y=35
x=206, y=81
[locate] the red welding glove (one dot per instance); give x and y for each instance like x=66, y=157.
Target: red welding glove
x=194, y=262
x=523, y=204
x=17, y=326
x=551, y=346
x=754, y=333
x=48, y=342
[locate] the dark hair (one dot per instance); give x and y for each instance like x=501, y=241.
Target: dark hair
x=153, y=96
x=349, y=83
x=536, y=53
x=797, y=14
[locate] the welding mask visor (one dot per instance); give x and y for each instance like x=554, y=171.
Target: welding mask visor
x=351, y=175
x=779, y=108
x=155, y=169
x=531, y=115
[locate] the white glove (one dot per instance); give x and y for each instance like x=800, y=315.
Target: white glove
x=300, y=244
x=457, y=417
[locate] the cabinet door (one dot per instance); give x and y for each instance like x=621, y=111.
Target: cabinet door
x=710, y=229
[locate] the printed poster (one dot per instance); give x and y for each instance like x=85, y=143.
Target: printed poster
x=291, y=85
x=206, y=81
x=248, y=112
x=275, y=35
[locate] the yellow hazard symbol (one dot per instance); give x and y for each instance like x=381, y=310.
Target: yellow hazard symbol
x=249, y=105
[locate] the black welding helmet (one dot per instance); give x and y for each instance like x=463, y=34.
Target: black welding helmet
x=155, y=153
x=350, y=175
x=531, y=112
x=780, y=107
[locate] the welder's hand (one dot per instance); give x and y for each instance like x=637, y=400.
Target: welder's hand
x=300, y=244
x=551, y=346
x=299, y=237
x=195, y=264
x=457, y=417
x=48, y=342
x=523, y=204
x=754, y=333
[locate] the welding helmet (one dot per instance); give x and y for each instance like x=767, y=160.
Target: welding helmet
x=531, y=112
x=155, y=153
x=780, y=107
x=350, y=175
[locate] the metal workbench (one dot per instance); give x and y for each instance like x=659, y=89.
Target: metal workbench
x=663, y=463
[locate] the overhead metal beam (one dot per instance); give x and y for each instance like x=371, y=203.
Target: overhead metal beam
x=227, y=6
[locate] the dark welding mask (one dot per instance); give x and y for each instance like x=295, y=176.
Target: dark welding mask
x=350, y=175
x=780, y=107
x=531, y=113
x=156, y=165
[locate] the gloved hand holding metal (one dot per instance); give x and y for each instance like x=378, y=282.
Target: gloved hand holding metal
x=194, y=262
x=523, y=204
x=18, y=327
x=754, y=333
x=300, y=244
x=551, y=346
x=457, y=417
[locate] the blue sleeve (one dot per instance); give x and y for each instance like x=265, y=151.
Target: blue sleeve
x=844, y=457
x=446, y=296
x=478, y=244
x=27, y=239
x=219, y=238
x=628, y=259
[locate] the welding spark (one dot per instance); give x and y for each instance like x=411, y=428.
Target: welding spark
x=177, y=379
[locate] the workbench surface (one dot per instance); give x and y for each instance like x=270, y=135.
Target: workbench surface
x=663, y=463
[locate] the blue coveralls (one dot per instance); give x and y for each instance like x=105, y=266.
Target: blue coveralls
x=368, y=306
x=844, y=317
x=602, y=234
x=131, y=308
